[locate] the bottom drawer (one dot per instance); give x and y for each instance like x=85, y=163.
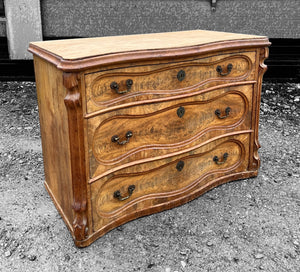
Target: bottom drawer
x=154, y=186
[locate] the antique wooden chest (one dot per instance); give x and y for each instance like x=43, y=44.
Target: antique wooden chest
x=133, y=125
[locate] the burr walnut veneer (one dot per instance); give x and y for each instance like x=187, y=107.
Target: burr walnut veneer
x=133, y=125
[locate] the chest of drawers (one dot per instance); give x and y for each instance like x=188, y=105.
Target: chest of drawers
x=133, y=125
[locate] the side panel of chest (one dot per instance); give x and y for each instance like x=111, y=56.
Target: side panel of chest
x=55, y=136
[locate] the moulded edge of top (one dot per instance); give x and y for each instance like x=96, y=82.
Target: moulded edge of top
x=78, y=54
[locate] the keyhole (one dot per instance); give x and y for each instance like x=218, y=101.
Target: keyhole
x=180, y=166
x=181, y=75
x=180, y=111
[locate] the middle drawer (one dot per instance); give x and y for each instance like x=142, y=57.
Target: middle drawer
x=163, y=129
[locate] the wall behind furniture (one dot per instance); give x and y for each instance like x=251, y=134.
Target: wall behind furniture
x=72, y=18
x=22, y=21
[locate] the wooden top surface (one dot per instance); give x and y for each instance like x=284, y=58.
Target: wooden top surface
x=74, y=49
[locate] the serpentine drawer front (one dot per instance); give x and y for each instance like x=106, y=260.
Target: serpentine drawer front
x=162, y=81
x=133, y=125
x=126, y=192
x=120, y=137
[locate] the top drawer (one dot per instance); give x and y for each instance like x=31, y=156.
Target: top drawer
x=158, y=82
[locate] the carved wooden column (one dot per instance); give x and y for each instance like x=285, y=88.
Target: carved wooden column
x=76, y=136
x=262, y=68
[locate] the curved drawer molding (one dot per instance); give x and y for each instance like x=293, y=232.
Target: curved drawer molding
x=170, y=180
x=167, y=130
x=132, y=84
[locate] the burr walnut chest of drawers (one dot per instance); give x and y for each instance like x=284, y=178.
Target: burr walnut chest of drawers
x=133, y=125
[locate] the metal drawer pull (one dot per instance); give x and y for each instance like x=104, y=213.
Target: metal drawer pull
x=130, y=189
x=115, y=86
x=216, y=159
x=220, y=70
x=116, y=139
x=181, y=75
x=218, y=113
x=180, y=165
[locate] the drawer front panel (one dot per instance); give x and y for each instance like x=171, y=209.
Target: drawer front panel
x=170, y=127
x=125, y=85
x=167, y=129
x=167, y=179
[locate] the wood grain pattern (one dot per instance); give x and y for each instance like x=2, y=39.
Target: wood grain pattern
x=79, y=114
x=71, y=49
x=54, y=131
x=152, y=139
x=165, y=180
x=162, y=182
x=108, y=225
x=263, y=53
x=68, y=55
x=171, y=132
x=76, y=138
x=160, y=80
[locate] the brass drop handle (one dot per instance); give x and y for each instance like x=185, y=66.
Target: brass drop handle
x=220, y=70
x=117, y=194
x=116, y=139
x=115, y=86
x=216, y=159
x=218, y=113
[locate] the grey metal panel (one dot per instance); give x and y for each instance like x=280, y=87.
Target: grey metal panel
x=273, y=18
